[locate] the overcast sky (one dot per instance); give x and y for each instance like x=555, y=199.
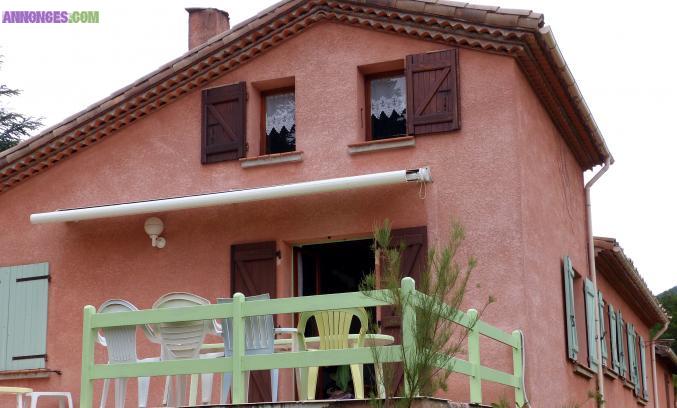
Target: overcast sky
x=623, y=61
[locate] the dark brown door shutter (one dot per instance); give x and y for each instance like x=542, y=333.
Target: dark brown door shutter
x=432, y=92
x=223, y=123
x=412, y=263
x=253, y=272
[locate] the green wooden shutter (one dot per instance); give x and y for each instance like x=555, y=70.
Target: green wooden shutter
x=613, y=329
x=632, y=355
x=5, y=275
x=590, y=310
x=605, y=355
x=642, y=356
x=621, y=341
x=572, y=336
x=27, y=317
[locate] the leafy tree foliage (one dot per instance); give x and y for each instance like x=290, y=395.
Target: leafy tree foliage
x=437, y=339
x=13, y=125
x=669, y=301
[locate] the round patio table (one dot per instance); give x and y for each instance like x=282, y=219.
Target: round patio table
x=370, y=340
x=285, y=345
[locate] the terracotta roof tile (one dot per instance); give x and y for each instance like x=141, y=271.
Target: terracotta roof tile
x=451, y=3
x=528, y=23
x=621, y=271
x=471, y=14
x=411, y=5
x=502, y=19
x=668, y=355
x=440, y=9
x=516, y=12
x=481, y=7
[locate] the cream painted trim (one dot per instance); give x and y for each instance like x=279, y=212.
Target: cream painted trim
x=18, y=375
x=269, y=159
x=385, y=144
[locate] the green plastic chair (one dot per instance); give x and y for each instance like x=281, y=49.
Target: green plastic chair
x=333, y=327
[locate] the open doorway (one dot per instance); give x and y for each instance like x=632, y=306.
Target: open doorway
x=335, y=267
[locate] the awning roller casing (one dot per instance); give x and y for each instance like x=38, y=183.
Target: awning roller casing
x=421, y=175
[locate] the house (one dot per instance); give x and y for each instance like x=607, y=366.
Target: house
x=667, y=363
x=318, y=98
x=628, y=312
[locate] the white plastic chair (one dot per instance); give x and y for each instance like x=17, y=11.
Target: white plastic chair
x=120, y=342
x=183, y=340
x=259, y=339
x=23, y=393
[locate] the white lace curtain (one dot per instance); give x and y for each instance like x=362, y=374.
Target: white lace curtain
x=280, y=111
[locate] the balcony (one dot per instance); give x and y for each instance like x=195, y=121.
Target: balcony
x=239, y=363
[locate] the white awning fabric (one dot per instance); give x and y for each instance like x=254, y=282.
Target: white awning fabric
x=420, y=175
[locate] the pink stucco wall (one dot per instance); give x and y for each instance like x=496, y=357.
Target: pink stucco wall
x=506, y=175
x=552, y=216
x=666, y=391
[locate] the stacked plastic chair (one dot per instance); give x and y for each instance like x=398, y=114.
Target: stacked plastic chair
x=259, y=339
x=120, y=343
x=183, y=340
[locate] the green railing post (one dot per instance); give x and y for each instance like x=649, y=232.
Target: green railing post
x=518, y=370
x=88, y=335
x=407, y=291
x=474, y=358
x=238, y=350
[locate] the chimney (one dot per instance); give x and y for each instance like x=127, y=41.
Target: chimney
x=204, y=23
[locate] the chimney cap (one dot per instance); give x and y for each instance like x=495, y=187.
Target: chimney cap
x=205, y=23
x=198, y=9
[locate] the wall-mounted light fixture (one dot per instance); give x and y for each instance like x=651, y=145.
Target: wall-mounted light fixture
x=154, y=227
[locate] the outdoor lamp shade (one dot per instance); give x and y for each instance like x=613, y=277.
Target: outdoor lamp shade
x=154, y=226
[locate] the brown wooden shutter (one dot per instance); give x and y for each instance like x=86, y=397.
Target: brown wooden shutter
x=432, y=92
x=223, y=123
x=412, y=263
x=253, y=272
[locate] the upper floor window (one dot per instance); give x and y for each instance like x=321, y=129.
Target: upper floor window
x=416, y=96
x=387, y=104
x=420, y=99
x=279, y=114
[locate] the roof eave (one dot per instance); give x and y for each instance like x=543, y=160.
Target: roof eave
x=575, y=93
x=668, y=355
x=630, y=278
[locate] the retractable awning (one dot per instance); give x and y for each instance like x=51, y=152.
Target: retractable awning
x=421, y=175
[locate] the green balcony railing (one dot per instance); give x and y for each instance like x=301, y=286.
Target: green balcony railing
x=239, y=363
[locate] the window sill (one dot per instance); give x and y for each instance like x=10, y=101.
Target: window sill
x=270, y=159
x=627, y=384
x=583, y=371
x=642, y=401
x=383, y=144
x=610, y=373
x=27, y=374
